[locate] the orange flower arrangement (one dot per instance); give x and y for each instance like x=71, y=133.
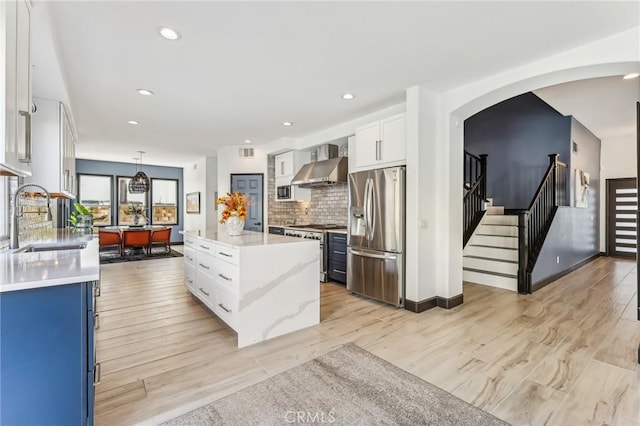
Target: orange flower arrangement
x=235, y=204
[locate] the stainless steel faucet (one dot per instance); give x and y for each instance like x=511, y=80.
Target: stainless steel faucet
x=17, y=213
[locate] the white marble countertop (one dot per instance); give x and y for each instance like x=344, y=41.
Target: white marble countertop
x=247, y=239
x=22, y=271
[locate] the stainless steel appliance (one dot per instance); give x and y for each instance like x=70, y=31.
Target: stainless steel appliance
x=329, y=169
x=376, y=236
x=314, y=232
x=283, y=192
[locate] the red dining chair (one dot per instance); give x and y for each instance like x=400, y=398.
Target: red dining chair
x=136, y=238
x=161, y=236
x=109, y=239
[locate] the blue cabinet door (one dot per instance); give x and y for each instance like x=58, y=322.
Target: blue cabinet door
x=44, y=356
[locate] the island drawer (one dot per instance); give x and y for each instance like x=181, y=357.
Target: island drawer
x=206, y=264
x=190, y=277
x=226, y=305
x=206, y=247
x=227, y=274
x=189, y=256
x=189, y=241
x=204, y=288
x=228, y=254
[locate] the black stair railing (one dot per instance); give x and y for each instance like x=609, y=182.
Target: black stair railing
x=534, y=223
x=475, y=185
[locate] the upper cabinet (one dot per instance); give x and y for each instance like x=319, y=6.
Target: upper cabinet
x=287, y=165
x=379, y=144
x=15, y=83
x=54, y=157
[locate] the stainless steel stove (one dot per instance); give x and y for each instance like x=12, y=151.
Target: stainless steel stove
x=314, y=232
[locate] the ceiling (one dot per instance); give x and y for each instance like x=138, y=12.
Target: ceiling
x=243, y=68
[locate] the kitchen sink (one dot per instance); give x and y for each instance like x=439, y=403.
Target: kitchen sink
x=37, y=247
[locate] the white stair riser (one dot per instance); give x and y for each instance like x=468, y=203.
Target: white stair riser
x=494, y=241
x=490, y=280
x=495, y=210
x=508, y=231
x=497, y=219
x=491, y=265
x=490, y=252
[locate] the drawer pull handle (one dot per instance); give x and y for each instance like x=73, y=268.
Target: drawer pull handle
x=96, y=286
x=189, y=281
x=97, y=374
x=202, y=291
x=339, y=271
x=203, y=266
x=204, y=247
x=225, y=254
x=224, y=278
x=340, y=238
x=223, y=307
x=339, y=252
x=96, y=321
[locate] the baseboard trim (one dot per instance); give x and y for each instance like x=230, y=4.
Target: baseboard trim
x=542, y=283
x=441, y=302
x=420, y=306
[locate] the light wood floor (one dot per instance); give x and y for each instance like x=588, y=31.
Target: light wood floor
x=565, y=355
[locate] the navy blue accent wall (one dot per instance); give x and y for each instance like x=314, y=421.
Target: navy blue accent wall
x=116, y=169
x=518, y=135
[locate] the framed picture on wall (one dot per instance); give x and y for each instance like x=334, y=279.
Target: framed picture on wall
x=193, y=202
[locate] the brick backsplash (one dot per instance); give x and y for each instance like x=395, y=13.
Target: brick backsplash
x=328, y=204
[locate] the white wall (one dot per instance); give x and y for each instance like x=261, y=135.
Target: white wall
x=617, y=160
x=195, y=180
x=211, y=190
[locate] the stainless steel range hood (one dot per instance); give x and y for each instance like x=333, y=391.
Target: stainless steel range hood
x=327, y=171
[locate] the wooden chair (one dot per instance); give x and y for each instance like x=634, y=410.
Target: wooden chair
x=136, y=238
x=110, y=238
x=161, y=236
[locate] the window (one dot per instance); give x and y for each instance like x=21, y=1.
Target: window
x=94, y=192
x=164, y=201
x=129, y=203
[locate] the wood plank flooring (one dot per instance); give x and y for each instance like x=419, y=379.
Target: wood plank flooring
x=565, y=355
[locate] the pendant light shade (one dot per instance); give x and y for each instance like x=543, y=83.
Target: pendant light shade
x=140, y=183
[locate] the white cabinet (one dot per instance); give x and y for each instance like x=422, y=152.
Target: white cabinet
x=54, y=158
x=15, y=84
x=379, y=144
x=287, y=165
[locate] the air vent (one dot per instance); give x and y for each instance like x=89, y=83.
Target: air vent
x=246, y=152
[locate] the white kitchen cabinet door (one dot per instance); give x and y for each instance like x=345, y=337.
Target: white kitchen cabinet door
x=15, y=146
x=379, y=144
x=284, y=164
x=53, y=156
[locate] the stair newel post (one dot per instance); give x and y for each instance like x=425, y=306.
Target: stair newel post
x=553, y=161
x=523, y=252
x=483, y=173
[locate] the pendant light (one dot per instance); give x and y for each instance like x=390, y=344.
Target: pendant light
x=140, y=183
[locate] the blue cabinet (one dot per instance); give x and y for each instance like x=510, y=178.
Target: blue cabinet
x=47, y=357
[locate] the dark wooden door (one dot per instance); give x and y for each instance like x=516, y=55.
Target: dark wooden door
x=622, y=205
x=252, y=186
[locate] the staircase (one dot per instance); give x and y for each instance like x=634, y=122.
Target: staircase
x=491, y=255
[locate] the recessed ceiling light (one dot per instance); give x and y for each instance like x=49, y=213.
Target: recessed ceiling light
x=348, y=96
x=169, y=33
x=145, y=92
x=630, y=76
x=247, y=141
x=132, y=122
x=287, y=123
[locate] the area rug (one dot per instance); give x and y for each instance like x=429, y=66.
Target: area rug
x=348, y=386
x=114, y=256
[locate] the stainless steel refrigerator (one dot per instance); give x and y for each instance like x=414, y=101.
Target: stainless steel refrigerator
x=376, y=235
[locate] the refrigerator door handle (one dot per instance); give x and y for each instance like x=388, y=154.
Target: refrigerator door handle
x=366, y=208
x=375, y=255
x=372, y=211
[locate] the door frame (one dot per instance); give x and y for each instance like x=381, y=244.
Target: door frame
x=608, y=213
x=265, y=202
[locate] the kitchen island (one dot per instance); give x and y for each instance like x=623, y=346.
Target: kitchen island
x=261, y=285
x=47, y=313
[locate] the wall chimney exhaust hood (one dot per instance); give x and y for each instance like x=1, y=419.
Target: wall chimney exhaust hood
x=328, y=170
